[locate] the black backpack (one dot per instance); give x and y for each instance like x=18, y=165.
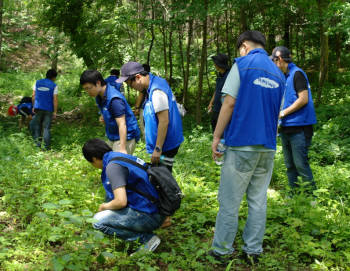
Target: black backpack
x=160, y=177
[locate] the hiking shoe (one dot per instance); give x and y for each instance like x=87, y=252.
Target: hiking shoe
x=220, y=258
x=251, y=258
x=149, y=246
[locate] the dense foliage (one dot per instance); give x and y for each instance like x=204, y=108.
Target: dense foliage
x=47, y=199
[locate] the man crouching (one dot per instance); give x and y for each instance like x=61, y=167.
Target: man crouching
x=126, y=213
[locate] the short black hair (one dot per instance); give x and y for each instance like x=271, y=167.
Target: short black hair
x=253, y=36
x=285, y=54
x=143, y=73
x=95, y=148
x=51, y=74
x=91, y=76
x=115, y=72
x=146, y=67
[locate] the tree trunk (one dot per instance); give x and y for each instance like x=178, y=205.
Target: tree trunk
x=188, y=59
x=286, y=27
x=324, y=51
x=338, y=48
x=217, y=41
x=1, y=11
x=163, y=30
x=202, y=65
x=170, y=56
x=153, y=36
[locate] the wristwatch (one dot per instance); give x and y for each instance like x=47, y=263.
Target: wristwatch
x=158, y=149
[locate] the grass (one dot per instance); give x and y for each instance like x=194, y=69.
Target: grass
x=47, y=200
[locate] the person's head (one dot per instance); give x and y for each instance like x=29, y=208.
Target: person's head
x=134, y=75
x=115, y=72
x=51, y=74
x=94, y=150
x=221, y=62
x=250, y=40
x=146, y=67
x=281, y=56
x=92, y=82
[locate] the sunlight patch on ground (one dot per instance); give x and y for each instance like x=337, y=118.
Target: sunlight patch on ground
x=272, y=193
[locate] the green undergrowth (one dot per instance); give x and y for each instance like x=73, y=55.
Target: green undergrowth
x=48, y=199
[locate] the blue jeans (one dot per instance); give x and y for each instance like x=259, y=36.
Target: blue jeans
x=41, y=124
x=243, y=172
x=295, y=150
x=128, y=224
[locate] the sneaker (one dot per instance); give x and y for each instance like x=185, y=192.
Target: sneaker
x=149, y=246
x=251, y=258
x=224, y=259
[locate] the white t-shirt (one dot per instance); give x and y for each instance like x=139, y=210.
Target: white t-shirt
x=160, y=101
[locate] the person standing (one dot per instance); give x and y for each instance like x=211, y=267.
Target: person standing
x=297, y=117
x=221, y=66
x=163, y=124
x=45, y=103
x=253, y=93
x=126, y=213
x=121, y=125
x=112, y=78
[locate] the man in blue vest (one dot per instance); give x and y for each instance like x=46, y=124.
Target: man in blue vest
x=253, y=94
x=163, y=124
x=297, y=117
x=126, y=213
x=221, y=66
x=121, y=125
x=112, y=78
x=45, y=105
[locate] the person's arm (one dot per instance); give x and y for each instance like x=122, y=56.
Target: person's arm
x=33, y=98
x=120, y=200
x=138, y=103
x=210, y=106
x=121, y=122
x=224, y=118
x=301, y=101
x=163, y=122
x=55, y=105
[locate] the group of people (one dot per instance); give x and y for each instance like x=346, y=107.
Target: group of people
x=254, y=97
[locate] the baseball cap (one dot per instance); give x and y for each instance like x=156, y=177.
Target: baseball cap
x=221, y=60
x=251, y=35
x=129, y=69
x=12, y=111
x=284, y=53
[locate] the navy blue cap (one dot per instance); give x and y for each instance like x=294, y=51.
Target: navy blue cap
x=129, y=69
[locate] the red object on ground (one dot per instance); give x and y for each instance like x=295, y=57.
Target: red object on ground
x=12, y=111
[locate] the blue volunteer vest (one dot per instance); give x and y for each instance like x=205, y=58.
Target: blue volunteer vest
x=112, y=81
x=44, y=89
x=137, y=178
x=255, y=116
x=174, y=136
x=25, y=105
x=305, y=115
x=112, y=130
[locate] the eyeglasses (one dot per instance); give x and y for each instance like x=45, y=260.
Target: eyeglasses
x=275, y=59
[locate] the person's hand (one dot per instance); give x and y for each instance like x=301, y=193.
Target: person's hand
x=101, y=207
x=54, y=115
x=101, y=119
x=210, y=107
x=123, y=151
x=155, y=157
x=214, y=146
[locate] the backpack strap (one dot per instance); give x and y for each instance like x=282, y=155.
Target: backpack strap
x=127, y=160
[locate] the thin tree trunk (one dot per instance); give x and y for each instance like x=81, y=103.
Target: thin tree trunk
x=217, y=40
x=324, y=51
x=286, y=27
x=338, y=49
x=227, y=35
x=153, y=36
x=188, y=59
x=163, y=30
x=1, y=11
x=170, y=56
x=202, y=65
